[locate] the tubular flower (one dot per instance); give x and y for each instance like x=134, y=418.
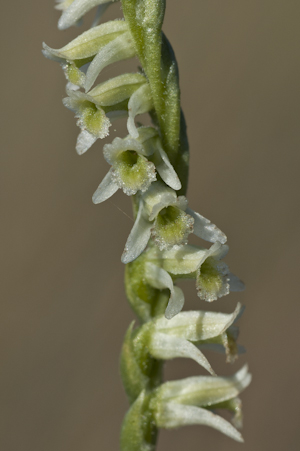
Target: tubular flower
x=133, y=167
x=169, y=220
x=190, y=401
x=93, y=122
x=213, y=278
x=167, y=339
x=162, y=215
x=107, y=101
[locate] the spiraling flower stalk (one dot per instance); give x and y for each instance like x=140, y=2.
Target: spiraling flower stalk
x=151, y=165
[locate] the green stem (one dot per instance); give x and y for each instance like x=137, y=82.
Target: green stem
x=139, y=370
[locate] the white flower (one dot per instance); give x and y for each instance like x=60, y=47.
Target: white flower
x=99, y=46
x=109, y=99
x=169, y=220
x=162, y=215
x=133, y=164
x=190, y=401
x=92, y=120
x=213, y=278
x=74, y=10
x=171, y=338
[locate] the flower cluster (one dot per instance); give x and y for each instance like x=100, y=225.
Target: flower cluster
x=150, y=164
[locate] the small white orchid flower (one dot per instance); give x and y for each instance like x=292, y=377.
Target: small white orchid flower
x=133, y=164
x=213, y=278
x=162, y=215
x=190, y=401
x=74, y=10
x=108, y=100
x=100, y=46
x=92, y=119
x=169, y=220
x=177, y=337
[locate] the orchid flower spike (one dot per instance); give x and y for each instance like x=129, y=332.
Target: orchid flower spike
x=134, y=163
x=190, y=401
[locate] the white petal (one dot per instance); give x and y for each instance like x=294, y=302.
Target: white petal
x=184, y=259
x=175, y=415
x=157, y=197
x=167, y=347
x=175, y=303
x=112, y=150
x=119, y=49
x=166, y=170
x=140, y=102
x=84, y=141
x=205, y=390
x=138, y=237
x=159, y=278
x=198, y=325
x=204, y=229
x=88, y=43
x=75, y=11
x=235, y=283
x=52, y=54
x=106, y=189
x=117, y=89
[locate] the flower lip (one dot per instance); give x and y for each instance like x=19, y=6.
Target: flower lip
x=133, y=172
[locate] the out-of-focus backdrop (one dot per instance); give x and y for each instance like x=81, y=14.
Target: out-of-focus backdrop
x=63, y=310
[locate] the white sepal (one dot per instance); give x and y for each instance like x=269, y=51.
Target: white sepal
x=205, y=390
x=106, y=189
x=165, y=169
x=174, y=415
x=140, y=102
x=168, y=347
x=138, y=237
x=85, y=140
x=204, y=229
x=116, y=89
x=183, y=259
x=159, y=278
x=197, y=325
x=119, y=49
x=88, y=43
x=158, y=197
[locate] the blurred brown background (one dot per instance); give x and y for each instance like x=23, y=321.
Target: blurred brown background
x=64, y=313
